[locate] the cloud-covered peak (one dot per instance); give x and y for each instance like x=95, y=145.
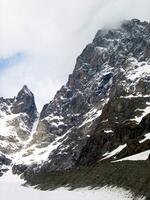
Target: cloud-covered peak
x=53, y=38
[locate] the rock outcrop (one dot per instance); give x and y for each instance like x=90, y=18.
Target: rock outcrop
x=4, y=164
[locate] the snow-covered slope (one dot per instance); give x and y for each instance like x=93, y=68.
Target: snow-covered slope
x=13, y=184
x=17, y=116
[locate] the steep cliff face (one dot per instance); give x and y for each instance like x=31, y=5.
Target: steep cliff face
x=17, y=116
x=24, y=103
x=104, y=104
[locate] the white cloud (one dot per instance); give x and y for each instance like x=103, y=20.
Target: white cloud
x=53, y=33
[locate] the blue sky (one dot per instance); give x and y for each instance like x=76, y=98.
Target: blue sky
x=11, y=60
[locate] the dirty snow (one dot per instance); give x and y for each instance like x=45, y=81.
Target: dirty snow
x=38, y=155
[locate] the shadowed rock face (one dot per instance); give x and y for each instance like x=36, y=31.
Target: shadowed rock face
x=24, y=103
x=4, y=160
x=4, y=164
x=102, y=105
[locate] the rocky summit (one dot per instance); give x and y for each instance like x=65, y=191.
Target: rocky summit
x=17, y=116
x=102, y=113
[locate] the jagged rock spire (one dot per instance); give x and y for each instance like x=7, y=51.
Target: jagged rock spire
x=25, y=103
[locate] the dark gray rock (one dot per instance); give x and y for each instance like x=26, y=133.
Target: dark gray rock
x=4, y=160
x=4, y=164
x=24, y=103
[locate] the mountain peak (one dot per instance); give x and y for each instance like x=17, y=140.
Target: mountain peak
x=102, y=111
x=25, y=90
x=24, y=102
x=25, y=87
x=114, y=66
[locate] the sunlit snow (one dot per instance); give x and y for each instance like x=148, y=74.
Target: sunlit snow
x=140, y=156
x=11, y=188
